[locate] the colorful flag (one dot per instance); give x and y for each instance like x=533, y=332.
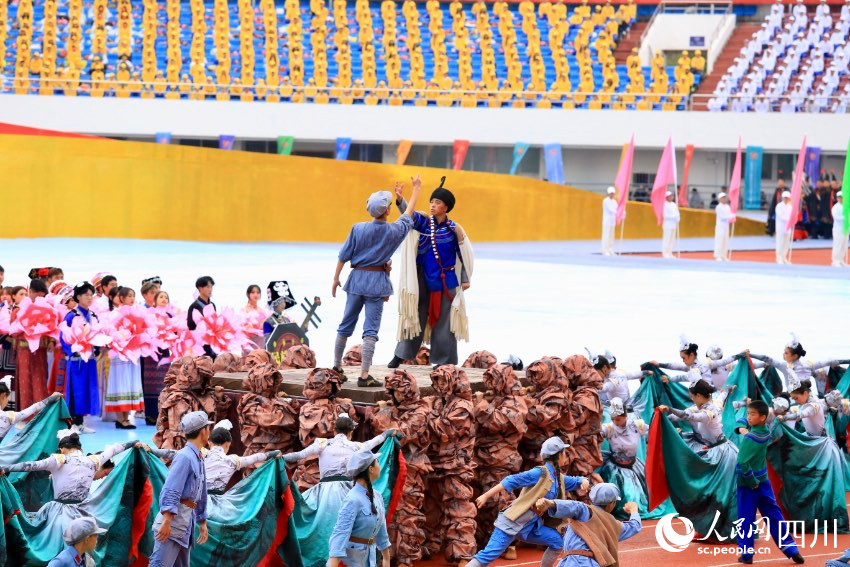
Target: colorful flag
x=666, y=175
x=520, y=149
x=284, y=145
x=554, y=163
x=459, y=153
x=342, y=147
x=813, y=171
x=735, y=182
x=402, y=151
x=624, y=177
x=683, y=190
x=226, y=142
x=163, y=137
x=845, y=190
x=797, y=187
x=752, y=178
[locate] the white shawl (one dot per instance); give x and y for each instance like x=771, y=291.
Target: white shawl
x=408, y=292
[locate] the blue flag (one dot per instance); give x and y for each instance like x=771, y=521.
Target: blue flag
x=163, y=137
x=752, y=178
x=520, y=149
x=554, y=163
x=342, y=147
x=812, y=164
x=225, y=142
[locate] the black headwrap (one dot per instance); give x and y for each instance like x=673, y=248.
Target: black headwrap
x=444, y=195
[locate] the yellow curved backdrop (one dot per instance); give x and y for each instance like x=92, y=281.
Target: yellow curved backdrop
x=62, y=187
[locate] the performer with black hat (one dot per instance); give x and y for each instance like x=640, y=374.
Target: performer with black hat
x=280, y=298
x=431, y=303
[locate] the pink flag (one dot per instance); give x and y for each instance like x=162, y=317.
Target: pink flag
x=623, y=178
x=683, y=190
x=797, y=187
x=666, y=175
x=735, y=183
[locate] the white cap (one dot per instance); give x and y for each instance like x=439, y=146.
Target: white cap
x=604, y=493
x=194, y=421
x=786, y=194
x=552, y=446
x=838, y=195
x=360, y=461
x=80, y=529
x=721, y=195
x=669, y=194
x=611, y=190
x=616, y=408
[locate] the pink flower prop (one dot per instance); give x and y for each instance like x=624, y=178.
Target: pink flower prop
x=35, y=320
x=5, y=324
x=183, y=343
x=82, y=336
x=61, y=308
x=223, y=331
x=252, y=322
x=134, y=333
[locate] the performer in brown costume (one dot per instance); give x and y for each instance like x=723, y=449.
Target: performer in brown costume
x=408, y=414
x=255, y=357
x=317, y=418
x=268, y=419
x=584, y=452
x=353, y=357
x=449, y=507
x=548, y=404
x=298, y=356
x=226, y=362
x=480, y=359
x=500, y=416
x=190, y=392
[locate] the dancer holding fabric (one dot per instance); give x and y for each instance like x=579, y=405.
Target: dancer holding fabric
x=10, y=418
x=622, y=467
x=369, y=247
x=431, y=298
x=793, y=358
x=694, y=369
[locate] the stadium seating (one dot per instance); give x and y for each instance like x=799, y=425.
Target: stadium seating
x=346, y=51
x=795, y=62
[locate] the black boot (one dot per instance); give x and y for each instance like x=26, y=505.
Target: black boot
x=797, y=558
x=395, y=362
x=747, y=561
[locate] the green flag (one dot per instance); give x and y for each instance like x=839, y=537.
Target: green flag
x=845, y=187
x=284, y=145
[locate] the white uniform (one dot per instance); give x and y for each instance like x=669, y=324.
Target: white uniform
x=706, y=420
x=10, y=418
x=783, y=235
x=616, y=385
x=812, y=414
x=721, y=231
x=815, y=372
x=624, y=440
x=334, y=453
x=839, y=239
x=609, y=221
x=220, y=466
x=669, y=226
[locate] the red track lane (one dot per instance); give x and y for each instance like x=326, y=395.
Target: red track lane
x=643, y=551
x=809, y=257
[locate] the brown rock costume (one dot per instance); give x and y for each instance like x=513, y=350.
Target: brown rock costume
x=423, y=357
x=353, y=356
x=317, y=418
x=585, y=382
x=449, y=507
x=409, y=415
x=267, y=422
x=480, y=359
x=190, y=392
x=548, y=408
x=255, y=357
x=298, y=356
x=500, y=427
x=167, y=382
x=226, y=362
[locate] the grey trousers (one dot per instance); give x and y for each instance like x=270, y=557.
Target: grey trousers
x=169, y=554
x=443, y=341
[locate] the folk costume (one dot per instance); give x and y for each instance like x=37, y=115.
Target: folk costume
x=81, y=389
x=621, y=466
x=431, y=301
x=279, y=298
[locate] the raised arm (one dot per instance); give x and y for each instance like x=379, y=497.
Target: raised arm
x=680, y=366
x=693, y=415
x=778, y=364
x=417, y=188
x=33, y=409
x=51, y=463
x=315, y=448
x=715, y=364
x=251, y=460
x=164, y=454
x=111, y=451
x=828, y=363
x=376, y=441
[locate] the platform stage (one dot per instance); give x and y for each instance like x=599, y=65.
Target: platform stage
x=293, y=382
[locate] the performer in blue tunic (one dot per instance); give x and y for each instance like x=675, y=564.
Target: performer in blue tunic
x=369, y=247
x=80, y=539
x=431, y=296
x=81, y=393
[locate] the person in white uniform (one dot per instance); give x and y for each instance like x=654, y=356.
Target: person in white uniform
x=669, y=226
x=783, y=233
x=616, y=382
x=839, y=239
x=609, y=222
x=794, y=361
x=10, y=418
x=622, y=467
x=725, y=217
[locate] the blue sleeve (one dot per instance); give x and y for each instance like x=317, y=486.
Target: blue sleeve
x=172, y=489
x=347, y=250
x=401, y=227
x=570, y=509
x=267, y=328
x=572, y=482
x=631, y=527
x=382, y=539
x=66, y=348
x=420, y=222
x=521, y=480
x=201, y=510
x=342, y=529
